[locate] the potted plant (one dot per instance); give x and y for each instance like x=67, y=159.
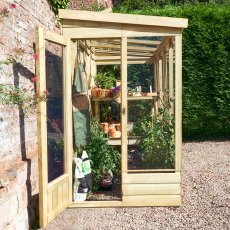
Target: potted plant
x=105, y=81
x=103, y=157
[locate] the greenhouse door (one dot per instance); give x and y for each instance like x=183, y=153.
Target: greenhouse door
x=151, y=168
x=54, y=123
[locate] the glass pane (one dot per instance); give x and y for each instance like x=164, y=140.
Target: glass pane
x=55, y=129
x=140, y=79
x=105, y=129
x=151, y=136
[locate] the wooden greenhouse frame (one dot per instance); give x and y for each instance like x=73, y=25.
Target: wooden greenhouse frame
x=93, y=30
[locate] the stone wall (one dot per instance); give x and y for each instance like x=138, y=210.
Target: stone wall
x=18, y=132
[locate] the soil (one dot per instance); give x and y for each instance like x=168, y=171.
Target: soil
x=114, y=193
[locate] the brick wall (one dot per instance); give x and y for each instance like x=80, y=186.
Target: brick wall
x=86, y=4
x=18, y=133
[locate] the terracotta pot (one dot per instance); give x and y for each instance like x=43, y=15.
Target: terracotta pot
x=98, y=93
x=107, y=93
x=112, y=132
x=105, y=127
x=102, y=92
x=95, y=92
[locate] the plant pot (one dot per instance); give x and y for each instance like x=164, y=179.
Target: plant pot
x=102, y=92
x=112, y=132
x=107, y=93
x=95, y=92
x=105, y=127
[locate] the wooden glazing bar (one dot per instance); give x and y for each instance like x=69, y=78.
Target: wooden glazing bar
x=178, y=101
x=124, y=105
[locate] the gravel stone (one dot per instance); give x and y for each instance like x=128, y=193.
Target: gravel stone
x=206, y=199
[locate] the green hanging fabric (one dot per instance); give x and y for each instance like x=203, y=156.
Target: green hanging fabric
x=81, y=115
x=79, y=84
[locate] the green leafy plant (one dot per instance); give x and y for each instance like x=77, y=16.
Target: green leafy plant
x=20, y=96
x=15, y=57
x=157, y=141
x=103, y=157
x=105, y=80
x=55, y=158
x=59, y=4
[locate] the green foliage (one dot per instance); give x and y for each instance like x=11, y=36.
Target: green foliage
x=103, y=157
x=140, y=75
x=59, y=4
x=56, y=148
x=105, y=80
x=137, y=111
x=55, y=151
x=20, y=96
x=206, y=66
x=157, y=140
x=114, y=70
x=143, y=5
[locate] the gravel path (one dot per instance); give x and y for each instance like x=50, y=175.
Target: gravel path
x=206, y=199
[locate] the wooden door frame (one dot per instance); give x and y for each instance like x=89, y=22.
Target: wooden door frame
x=44, y=187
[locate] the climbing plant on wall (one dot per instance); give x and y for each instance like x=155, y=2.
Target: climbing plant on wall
x=59, y=4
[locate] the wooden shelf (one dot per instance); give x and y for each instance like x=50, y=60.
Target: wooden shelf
x=135, y=98
x=131, y=140
x=103, y=99
x=129, y=98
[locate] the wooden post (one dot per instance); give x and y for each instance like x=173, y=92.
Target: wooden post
x=160, y=78
x=178, y=102
x=124, y=106
x=97, y=103
x=42, y=132
x=68, y=113
x=171, y=88
x=163, y=70
x=155, y=88
x=165, y=74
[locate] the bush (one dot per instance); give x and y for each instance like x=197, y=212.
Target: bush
x=206, y=66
